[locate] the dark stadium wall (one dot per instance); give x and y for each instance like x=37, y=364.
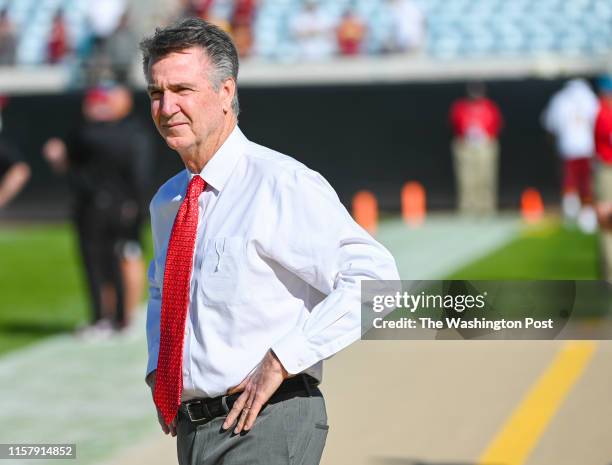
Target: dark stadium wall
x=373, y=137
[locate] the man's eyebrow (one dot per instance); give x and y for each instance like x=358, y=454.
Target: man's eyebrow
x=178, y=85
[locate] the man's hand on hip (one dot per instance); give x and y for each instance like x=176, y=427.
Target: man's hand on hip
x=257, y=388
x=167, y=429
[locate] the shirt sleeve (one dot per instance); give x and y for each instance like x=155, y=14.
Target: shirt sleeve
x=316, y=238
x=154, y=305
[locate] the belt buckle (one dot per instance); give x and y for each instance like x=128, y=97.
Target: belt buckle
x=187, y=407
x=224, y=404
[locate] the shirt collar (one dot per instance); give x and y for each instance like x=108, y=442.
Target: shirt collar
x=219, y=168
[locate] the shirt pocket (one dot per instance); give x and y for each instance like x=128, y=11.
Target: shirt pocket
x=220, y=269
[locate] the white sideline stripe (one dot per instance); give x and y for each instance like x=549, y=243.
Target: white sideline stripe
x=445, y=243
x=93, y=393
x=64, y=390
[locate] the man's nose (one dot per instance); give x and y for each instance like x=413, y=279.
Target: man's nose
x=169, y=105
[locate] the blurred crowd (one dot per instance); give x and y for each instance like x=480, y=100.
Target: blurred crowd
x=103, y=37
x=107, y=48
x=316, y=31
x=102, y=40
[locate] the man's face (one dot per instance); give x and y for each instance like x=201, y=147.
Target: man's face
x=184, y=106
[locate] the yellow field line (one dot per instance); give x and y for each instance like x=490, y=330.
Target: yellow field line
x=523, y=429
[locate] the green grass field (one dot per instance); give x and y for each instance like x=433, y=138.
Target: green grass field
x=546, y=251
x=43, y=291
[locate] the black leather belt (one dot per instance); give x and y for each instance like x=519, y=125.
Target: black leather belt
x=205, y=409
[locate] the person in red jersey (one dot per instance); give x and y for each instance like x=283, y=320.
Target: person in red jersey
x=603, y=173
x=243, y=18
x=476, y=122
x=350, y=33
x=57, y=46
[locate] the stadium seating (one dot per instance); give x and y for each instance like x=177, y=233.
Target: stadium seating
x=455, y=28
x=33, y=19
x=465, y=28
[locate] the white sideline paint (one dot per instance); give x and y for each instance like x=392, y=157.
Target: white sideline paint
x=445, y=243
x=64, y=390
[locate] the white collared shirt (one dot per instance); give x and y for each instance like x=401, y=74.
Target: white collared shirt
x=277, y=264
x=571, y=116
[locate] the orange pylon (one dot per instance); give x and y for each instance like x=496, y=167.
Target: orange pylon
x=532, y=207
x=414, y=204
x=365, y=210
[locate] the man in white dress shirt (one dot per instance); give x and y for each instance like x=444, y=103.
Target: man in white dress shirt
x=275, y=271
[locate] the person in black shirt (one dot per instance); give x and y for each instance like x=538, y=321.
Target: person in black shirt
x=107, y=160
x=14, y=172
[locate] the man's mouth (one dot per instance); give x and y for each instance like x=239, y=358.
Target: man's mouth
x=173, y=125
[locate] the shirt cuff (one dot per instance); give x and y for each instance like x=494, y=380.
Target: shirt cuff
x=294, y=353
x=152, y=365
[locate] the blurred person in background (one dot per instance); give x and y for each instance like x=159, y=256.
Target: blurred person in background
x=239, y=21
x=107, y=160
x=198, y=8
x=103, y=21
x=57, y=46
x=242, y=25
x=313, y=31
x=476, y=122
x=8, y=40
x=570, y=118
x=14, y=172
x=603, y=174
x=404, y=27
x=350, y=33
x=122, y=49
x=217, y=12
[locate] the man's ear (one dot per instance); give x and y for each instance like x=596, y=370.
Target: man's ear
x=228, y=90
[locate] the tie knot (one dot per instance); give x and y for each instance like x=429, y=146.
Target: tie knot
x=196, y=186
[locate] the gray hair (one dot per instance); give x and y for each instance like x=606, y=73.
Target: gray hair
x=195, y=32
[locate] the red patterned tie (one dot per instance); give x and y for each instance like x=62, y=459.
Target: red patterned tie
x=175, y=299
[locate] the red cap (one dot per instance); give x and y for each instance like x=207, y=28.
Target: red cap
x=96, y=95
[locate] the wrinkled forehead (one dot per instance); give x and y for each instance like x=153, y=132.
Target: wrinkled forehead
x=188, y=63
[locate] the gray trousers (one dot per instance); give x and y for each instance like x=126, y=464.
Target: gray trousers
x=603, y=185
x=476, y=167
x=292, y=432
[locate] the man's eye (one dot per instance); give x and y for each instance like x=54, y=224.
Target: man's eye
x=155, y=95
x=184, y=91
